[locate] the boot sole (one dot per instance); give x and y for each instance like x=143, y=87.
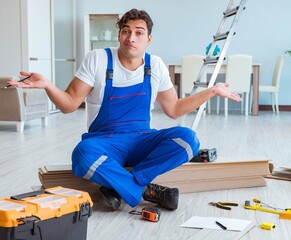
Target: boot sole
x=111, y=198
x=171, y=199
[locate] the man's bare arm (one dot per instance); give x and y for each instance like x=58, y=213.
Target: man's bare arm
x=67, y=101
x=176, y=108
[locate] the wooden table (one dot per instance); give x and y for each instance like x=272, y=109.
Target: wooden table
x=176, y=69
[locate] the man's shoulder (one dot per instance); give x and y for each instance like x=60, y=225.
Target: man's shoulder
x=154, y=57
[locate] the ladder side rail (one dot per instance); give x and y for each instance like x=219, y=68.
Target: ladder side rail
x=230, y=5
x=201, y=73
x=226, y=45
x=222, y=22
x=198, y=116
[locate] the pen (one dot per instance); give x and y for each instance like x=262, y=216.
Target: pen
x=21, y=80
x=220, y=225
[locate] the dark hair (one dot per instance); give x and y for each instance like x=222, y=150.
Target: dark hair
x=135, y=14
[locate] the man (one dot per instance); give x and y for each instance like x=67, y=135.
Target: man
x=120, y=86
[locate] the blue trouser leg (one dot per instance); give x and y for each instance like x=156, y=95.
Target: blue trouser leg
x=101, y=160
x=161, y=151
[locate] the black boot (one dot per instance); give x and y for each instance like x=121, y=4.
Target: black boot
x=165, y=196
x=111, y=197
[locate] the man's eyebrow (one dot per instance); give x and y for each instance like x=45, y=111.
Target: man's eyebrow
x=126, y=26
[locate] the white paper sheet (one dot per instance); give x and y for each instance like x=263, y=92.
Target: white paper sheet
x=231, y=224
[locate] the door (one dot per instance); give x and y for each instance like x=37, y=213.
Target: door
x=39, y=37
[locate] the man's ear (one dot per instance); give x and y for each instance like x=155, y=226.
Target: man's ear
x=149, y=39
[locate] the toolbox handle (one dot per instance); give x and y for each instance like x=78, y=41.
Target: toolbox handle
x=29, y=219
x=28, y=194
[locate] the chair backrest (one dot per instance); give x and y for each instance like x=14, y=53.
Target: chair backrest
x=191, y=65
x=277, y=72
x=238, y=72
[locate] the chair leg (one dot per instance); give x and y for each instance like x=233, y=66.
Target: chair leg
x=225, y=107
x=276, y=102
x=20, y=126
x=217, y=105
x=247, y=104
x=273, y=101
x=209, y=106
x=242, y=103
x=251, y=100
x=44, y=121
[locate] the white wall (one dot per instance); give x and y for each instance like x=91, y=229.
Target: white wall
x=186, y=26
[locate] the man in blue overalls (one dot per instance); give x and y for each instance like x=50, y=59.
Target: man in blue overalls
x=120, y=86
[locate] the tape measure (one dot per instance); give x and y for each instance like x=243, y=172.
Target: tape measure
x=148, y=213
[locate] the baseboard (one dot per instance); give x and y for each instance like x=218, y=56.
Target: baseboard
x=284, y=108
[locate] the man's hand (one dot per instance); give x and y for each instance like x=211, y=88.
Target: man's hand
x=222, y=90
x=35, y=80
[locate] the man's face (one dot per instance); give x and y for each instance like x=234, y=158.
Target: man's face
x=133, y=38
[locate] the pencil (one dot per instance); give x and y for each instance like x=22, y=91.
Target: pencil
x=21, y=80
x=220, y=225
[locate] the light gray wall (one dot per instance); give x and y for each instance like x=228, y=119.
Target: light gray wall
x=186, y=26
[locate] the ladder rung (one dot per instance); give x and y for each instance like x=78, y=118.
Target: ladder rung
x=231, y=12
x=201, y=84
x=211, y=60
x=221, y=36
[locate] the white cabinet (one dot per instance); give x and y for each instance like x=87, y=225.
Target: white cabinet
x=39, y=37
x=100, y=31
x=25, y=28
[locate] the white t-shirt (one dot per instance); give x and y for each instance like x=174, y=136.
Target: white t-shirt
x=93, y=71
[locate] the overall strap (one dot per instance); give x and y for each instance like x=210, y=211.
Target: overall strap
x=147, y=64
x=109, y=70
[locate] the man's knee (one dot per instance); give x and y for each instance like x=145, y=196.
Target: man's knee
x=190, y=137
x=79, y=159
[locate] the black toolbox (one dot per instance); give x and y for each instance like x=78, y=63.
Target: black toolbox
x=54, y=214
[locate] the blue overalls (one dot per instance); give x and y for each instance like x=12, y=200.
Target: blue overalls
x=120, y=136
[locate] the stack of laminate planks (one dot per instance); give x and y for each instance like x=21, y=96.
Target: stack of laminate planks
x=62, y=175
x=190, y=177
x=218, y=175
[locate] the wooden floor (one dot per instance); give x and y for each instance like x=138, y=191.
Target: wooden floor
x=266, y=136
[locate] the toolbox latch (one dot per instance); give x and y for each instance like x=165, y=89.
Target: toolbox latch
x=30, y=223
x=85, y=212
